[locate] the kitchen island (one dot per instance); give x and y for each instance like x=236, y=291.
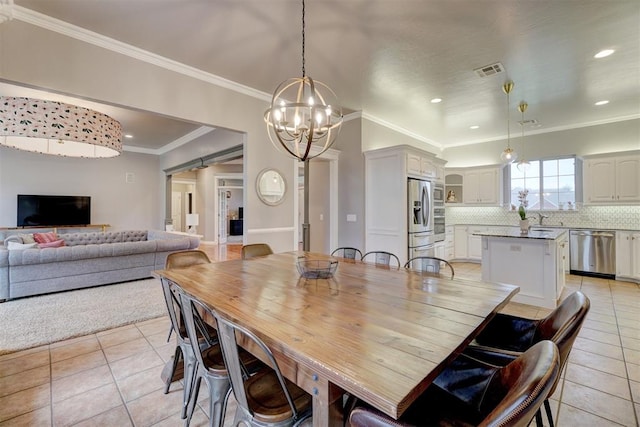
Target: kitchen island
x=534, y=261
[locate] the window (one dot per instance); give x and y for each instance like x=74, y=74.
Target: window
x=551, y=183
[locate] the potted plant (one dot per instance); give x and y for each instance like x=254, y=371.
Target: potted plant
x=522, y=210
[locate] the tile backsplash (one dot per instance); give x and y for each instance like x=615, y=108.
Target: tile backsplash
x=607, y=217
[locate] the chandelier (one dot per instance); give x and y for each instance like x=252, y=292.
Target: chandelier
x=508, y=155
x=56, y=128
x=523, y=164
x=304, y=118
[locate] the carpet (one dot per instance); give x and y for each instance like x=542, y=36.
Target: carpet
x=34, y=321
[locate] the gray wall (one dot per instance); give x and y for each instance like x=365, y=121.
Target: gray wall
x=114, y=201
x=77, y=68
x=350, y=184
x=319, y=205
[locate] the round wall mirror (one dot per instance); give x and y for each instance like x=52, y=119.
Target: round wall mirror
x=271, y=187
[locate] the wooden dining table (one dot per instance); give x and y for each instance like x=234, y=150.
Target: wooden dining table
x=380, y=334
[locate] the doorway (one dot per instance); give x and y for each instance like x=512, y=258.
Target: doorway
x=230, y=208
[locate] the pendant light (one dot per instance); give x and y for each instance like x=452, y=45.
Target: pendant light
x=304, y=118
x=508, y=155
x=523, y=165
x=57, y=128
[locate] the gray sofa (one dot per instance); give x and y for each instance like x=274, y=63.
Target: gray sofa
x=87, y=259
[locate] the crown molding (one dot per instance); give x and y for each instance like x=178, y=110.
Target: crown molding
x=78, y=33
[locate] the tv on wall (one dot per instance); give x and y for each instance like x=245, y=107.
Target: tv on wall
x=53, y=210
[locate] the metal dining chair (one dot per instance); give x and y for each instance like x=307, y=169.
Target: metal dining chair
x=430, y=266
x=382, y=258
x=265, y=398
x=181, y=259
x=183, y=349
x=348, y=253
x=505, y=337
x=255, y=250
x=471, y=392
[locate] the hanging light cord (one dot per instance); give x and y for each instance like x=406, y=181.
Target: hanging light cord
x=303, y=46
x=508, y=124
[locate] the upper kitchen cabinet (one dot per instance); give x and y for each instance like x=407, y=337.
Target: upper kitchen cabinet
x=474, y=186
x=612, y=179
x=424, y=165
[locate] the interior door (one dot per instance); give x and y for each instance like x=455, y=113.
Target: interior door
x=223, y=216
x=176, y=210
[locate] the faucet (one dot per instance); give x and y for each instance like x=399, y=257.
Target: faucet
x=541, y=217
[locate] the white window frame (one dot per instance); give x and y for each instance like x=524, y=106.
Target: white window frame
x=577, y=175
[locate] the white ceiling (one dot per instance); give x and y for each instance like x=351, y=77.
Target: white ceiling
x=389, y=58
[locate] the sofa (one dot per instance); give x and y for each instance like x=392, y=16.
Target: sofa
x=82, y=259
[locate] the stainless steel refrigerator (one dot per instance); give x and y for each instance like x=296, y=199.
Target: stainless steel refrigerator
x=421, y=224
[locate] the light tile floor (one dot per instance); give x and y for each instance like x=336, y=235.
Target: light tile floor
x=113, y=378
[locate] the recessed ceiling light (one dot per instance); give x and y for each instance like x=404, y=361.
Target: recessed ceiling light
x=436, y=100
x=128, y=136
x=604, y=102
x=603, y=53
x=474, y=127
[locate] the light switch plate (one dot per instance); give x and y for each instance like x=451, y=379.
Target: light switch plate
x=351, y=218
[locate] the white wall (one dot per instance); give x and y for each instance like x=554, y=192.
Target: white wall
x=113, y=201
x=607, y=138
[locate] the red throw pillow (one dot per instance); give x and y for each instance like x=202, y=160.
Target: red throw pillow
x=45, y=237
x=54, y=244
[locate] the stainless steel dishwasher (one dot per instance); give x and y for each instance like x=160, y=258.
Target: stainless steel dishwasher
x=593, y=253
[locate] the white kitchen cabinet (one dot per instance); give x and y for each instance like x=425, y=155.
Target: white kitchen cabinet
x=439, y=250
x=530, y=263
x=481, y=186
x=612, y=180
x=562, y=263
x=628, y=255
x=422, y=166
x=474, y=243
x=475, y=186
x=449, y=243
x=460, y=241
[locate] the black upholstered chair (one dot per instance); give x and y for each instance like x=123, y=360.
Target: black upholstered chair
x=347, y=252
x=506, y=337
x=255, y=250
x=430, y=266
x=469, y=393
x=382, y=258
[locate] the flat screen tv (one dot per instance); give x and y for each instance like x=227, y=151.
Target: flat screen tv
x=53, y=210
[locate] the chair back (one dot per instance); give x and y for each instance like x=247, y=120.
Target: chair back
x=518, y=390
x=198, y=333
x=563, y=324
x=255, y=250
x=430, y=266
x=174, y=308
x=184, y=259
x=382, y=258
x=228, y=332
x=347, y=252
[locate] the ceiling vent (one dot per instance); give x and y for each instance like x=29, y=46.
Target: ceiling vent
x=528, y=122
x=489, y=70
